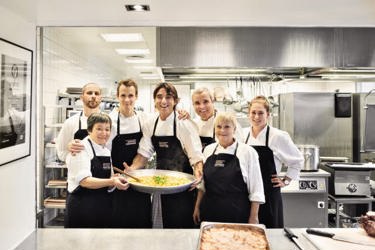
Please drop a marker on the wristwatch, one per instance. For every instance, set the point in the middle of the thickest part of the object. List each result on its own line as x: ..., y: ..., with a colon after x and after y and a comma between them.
x: 286, y: 182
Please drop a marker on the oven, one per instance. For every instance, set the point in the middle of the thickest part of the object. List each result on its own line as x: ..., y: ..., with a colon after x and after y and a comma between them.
x: 305, y: 201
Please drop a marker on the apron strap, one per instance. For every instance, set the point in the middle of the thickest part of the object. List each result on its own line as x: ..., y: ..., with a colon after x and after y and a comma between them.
x: 267, y: 135
x: 79, y: 121
x: 213, y: 136
x: 92, y: 147
x: 118, y: 123
x: 235, y: 151
x: 174, y: 124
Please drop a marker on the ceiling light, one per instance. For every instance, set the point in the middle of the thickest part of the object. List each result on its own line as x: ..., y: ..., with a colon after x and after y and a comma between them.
x: 133, y: 51
x: 122, y: 37
x: 138, y: 60
x: 137, y: 7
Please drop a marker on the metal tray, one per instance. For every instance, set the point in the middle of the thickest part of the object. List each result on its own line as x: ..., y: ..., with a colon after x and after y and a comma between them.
x: 240, y: 226
x: 160, y: 190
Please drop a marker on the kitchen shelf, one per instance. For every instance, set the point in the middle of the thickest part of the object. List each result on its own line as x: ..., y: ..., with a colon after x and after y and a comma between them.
x: 52, y: 202
x: 56, y: 165
x: 57, y: 184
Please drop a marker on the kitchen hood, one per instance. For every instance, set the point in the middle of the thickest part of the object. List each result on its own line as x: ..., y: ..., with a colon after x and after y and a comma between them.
x: 271, y: 53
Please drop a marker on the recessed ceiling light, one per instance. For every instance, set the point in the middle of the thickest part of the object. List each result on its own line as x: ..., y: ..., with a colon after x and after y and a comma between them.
x: 138, y: 60
x: 122, y: 37
x: 137, y: 7
x: 133, y: 51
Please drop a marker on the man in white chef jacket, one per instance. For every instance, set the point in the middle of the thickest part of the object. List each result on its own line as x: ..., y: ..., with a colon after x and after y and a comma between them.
x: 75, y: 127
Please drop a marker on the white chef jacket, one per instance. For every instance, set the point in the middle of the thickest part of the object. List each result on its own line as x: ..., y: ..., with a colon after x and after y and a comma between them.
x: 284, y: 150
x: 206, y: 128
x: 79, y: 165
x: 249, y: 163
x: 128, y: 125
x: 186, y: 132
x: 66, y: 135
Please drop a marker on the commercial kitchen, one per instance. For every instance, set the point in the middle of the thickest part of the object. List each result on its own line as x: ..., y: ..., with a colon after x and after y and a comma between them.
x: 315, y: 63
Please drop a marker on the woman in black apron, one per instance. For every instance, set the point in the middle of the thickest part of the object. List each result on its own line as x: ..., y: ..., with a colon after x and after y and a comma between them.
x: 131, y: 209
x: 226, y: 195
x: 89, y: 204
x: 271, y: 213
x: 167, y: 137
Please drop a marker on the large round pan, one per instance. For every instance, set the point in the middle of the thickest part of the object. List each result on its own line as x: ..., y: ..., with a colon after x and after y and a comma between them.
x: 160, y: 190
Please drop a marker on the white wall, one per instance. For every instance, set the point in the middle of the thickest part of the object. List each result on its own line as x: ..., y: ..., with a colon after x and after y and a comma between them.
x: 17, y: 179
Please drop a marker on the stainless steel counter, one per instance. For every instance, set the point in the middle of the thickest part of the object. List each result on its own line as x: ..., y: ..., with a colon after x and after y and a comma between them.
x: 134, y: 239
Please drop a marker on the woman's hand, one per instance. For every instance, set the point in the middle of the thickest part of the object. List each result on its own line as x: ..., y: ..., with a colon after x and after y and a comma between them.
x: 120, y: 182
x: 277, y: 181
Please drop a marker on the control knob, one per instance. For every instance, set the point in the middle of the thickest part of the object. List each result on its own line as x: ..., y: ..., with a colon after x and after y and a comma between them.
x: 352, y: 188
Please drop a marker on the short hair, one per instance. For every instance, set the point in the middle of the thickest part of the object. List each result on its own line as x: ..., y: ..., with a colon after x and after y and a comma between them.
x: 262, y: 100
x: 127, y: 83
x: 90, y: 83
x: 99, y: 117
x: 202, y: 90
x: 225, y: 117
x: 169, y: 88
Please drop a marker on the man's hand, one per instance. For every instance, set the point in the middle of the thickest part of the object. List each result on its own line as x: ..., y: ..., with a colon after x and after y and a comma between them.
x: 183, y: 114
x: 75, y: 146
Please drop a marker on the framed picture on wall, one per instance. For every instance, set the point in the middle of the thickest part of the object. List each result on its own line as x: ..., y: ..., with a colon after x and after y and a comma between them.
x: 15, y: 101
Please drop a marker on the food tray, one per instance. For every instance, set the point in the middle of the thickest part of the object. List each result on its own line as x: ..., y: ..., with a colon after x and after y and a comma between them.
x: 159, y: 190
x: 230, y: 236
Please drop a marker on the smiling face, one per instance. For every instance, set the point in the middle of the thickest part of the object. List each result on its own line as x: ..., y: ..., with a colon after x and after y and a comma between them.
x: 91, y: 95
x: 224, y: 129
x: 100, y: 133
x: 164, y: 103
x: 203, y: 105
x: 258, y: 115
x: 127, y: 97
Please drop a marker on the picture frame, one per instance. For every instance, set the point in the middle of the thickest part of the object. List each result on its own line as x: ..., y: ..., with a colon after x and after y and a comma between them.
x: 16, y: 68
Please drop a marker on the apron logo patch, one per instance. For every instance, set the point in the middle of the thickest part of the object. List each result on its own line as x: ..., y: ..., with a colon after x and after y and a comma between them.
x: 107, y: 165
x: 163, y: 144
x: 220, y: 163
x: 130, y: 142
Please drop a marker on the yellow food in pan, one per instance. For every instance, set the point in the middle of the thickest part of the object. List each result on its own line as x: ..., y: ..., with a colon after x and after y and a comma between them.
x: 161, y: 181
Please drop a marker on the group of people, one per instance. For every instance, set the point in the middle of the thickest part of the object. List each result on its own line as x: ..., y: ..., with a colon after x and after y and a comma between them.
x: 236, y: 176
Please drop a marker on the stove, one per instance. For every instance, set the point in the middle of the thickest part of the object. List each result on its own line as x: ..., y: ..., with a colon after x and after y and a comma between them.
x: 349, y: 179
x: 305, y: 200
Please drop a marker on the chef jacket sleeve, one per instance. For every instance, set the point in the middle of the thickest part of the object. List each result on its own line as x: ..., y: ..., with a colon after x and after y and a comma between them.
x: 145, y: 147
x: 79, y: 167
x: 249, y: 161
x: 288, y: 153
x: 66, y: 134
x: 188, y: 135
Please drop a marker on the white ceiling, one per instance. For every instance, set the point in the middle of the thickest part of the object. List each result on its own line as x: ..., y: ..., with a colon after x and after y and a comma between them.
x: 357, y: 13
x: 94, y: 13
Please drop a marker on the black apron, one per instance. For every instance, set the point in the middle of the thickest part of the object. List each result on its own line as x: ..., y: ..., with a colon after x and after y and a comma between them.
x: 80, y: 133
x: 226, y: 198
x: 271, y: 212
x: 8, y: 139
x: 131, y: 209
x: 91, y: 208
x: 207, y: 140
x: 177, y: 209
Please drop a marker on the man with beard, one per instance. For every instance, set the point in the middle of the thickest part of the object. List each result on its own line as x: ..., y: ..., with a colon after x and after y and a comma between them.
x: 75, y: 127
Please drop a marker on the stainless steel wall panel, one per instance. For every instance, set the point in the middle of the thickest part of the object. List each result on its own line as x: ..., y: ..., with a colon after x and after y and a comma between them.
x: 245, y: 47
x: 309, y: 119
x: 358, y: 47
